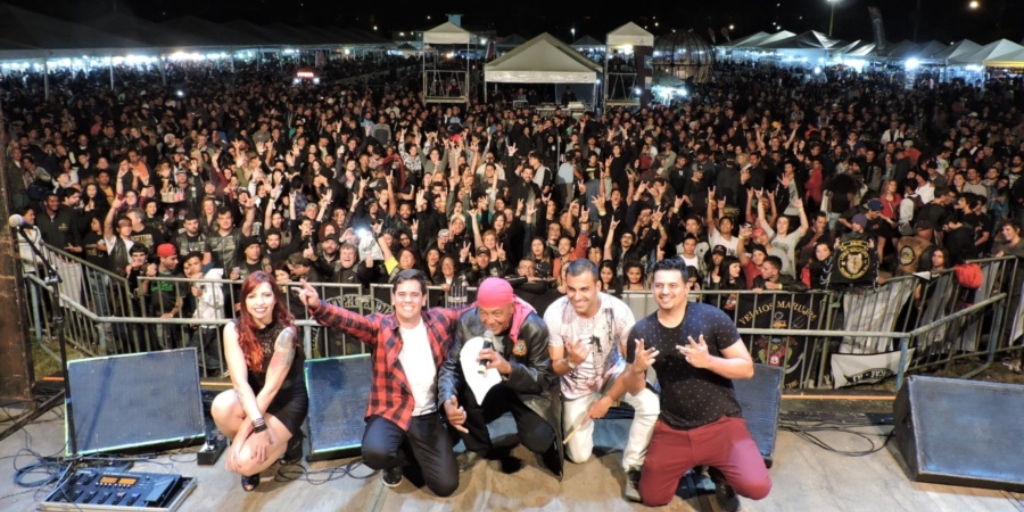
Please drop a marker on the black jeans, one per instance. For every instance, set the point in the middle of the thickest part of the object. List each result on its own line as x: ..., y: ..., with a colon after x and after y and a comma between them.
x: 533, y: 432
x: 426, y: 442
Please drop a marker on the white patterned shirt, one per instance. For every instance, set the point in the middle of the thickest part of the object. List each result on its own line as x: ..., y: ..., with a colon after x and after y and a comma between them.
x: 607, y: 330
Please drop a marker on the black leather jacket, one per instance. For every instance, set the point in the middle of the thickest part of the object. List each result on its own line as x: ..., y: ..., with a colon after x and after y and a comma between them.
x: 532, y: 378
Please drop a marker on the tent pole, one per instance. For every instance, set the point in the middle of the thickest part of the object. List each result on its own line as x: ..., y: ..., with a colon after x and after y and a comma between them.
x: 46, y: 80
x: 111, y: 73
x: 163, y: 70
x: 466, y: 91
x: 604, y: 89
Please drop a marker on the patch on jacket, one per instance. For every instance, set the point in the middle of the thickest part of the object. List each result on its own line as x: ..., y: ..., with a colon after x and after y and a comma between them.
x: 519, y: 348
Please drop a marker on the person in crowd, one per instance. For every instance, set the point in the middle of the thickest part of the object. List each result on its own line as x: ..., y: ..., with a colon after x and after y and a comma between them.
x: 697, y: 353
x: 409, y: 348
x: 587, y: 332
x: 263, y: 414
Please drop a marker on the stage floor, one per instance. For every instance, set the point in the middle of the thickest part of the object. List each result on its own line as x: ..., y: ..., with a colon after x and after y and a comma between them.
x: 806, y: 478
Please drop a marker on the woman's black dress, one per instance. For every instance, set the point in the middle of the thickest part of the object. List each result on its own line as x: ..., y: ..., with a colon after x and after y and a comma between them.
x: 291, y: 403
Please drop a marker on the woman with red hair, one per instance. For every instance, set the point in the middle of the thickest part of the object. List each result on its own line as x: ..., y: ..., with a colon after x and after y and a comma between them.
x: 264, y: 412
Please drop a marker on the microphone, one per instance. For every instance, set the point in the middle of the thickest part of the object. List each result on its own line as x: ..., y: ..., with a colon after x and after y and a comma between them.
x: 16, y: 221
x: 488, y: 343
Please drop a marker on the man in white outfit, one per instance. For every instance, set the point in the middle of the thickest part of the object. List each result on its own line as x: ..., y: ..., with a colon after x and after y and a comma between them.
x: 587, y: 343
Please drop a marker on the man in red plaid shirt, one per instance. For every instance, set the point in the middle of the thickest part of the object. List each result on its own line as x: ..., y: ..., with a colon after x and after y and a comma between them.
x: 409, y: 346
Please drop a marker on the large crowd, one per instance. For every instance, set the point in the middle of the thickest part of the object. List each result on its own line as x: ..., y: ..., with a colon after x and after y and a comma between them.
x: 751, y: 179
x: 749, y: 183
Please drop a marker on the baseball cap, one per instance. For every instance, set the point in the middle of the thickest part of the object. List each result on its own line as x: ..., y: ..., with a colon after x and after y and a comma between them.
x: 861, y: 220
x: 875, y: 205
x: 166, y: 250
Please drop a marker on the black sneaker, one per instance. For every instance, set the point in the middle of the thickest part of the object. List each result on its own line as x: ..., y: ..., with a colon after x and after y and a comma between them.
x: 724, y: 494
x: 391, y: 476
x: 468, y: 459
x: 632, y: 491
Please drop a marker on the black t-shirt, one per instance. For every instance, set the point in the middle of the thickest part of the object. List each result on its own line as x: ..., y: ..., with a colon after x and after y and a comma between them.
x: 94, y: 254
x: 690, y: 397
x: 148, y: 237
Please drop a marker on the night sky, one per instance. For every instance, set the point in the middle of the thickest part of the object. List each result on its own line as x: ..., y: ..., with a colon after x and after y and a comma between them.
x: 945, y: 20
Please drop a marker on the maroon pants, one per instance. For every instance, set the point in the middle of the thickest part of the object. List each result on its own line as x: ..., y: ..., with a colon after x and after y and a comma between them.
x: 724, y: 444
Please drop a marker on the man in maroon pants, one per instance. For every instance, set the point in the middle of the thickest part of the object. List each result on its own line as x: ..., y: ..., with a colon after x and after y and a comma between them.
x: 696, y: 351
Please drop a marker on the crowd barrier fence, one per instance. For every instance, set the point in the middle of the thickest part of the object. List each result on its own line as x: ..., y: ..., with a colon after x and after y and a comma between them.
x: 823, y: 338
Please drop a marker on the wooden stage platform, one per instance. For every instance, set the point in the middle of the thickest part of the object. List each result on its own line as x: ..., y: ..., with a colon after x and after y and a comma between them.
x: 806, y: 478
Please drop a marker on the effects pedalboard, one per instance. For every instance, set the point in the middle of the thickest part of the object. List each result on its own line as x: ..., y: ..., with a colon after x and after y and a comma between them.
x: 108, y: 489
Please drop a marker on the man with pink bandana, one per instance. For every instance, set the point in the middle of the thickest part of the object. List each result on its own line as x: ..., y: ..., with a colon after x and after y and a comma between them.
x: 528, y: 389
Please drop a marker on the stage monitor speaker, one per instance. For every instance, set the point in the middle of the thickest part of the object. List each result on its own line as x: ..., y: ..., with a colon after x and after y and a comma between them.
x: 339, y: 391
x: 134, y: 401
x: 961, y: 432
x: 760, y: 398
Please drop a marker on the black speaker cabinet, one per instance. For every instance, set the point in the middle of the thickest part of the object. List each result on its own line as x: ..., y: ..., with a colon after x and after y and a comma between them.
x: 760, y: 398
x: 134, y: 401
x: 960, y: 432
x: 339, y: 391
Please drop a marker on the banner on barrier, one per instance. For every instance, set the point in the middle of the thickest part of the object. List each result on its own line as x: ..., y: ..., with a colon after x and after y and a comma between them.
x: 779, y: 312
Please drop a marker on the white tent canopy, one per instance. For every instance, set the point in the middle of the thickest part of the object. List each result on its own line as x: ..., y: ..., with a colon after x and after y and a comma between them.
x: 750, y: 40
x: 778, y: 36
x: 447, y: 33
x: 630, y: 34
x: 1010, y: 60
x: 961, y: 49
x: 542, y: 60
x: 990, y: 51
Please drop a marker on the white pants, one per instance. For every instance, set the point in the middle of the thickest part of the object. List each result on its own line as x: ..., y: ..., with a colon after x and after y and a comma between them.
x: 579, y: 448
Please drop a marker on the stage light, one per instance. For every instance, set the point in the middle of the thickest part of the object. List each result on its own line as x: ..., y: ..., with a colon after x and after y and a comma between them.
x: 912, y: 64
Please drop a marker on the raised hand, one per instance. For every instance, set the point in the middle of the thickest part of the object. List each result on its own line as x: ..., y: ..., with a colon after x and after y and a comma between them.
x: 696, y: 353
x: 644, y: 358
x: 576, y: 351
x: 611, y: 226
x: 711, y: 194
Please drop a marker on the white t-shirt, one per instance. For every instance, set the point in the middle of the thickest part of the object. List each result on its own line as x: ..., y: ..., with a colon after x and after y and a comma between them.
x: 608, y: 328
x: 715, y: 239
x: 418, y: 362
x: 787, y: 245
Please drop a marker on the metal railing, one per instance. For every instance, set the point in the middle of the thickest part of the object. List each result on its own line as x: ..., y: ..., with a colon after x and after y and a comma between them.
x: 932, y: 323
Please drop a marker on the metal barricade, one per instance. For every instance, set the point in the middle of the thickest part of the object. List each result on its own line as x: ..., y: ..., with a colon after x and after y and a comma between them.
x: 931, y: 322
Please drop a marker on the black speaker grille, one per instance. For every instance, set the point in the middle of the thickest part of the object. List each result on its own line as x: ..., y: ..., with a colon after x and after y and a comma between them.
x: 339, y: 391
x: 759, y: 398
x: 136, y: 400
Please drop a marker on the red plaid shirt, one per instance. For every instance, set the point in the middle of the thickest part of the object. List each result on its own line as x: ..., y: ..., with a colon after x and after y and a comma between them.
x: 390, y: 396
